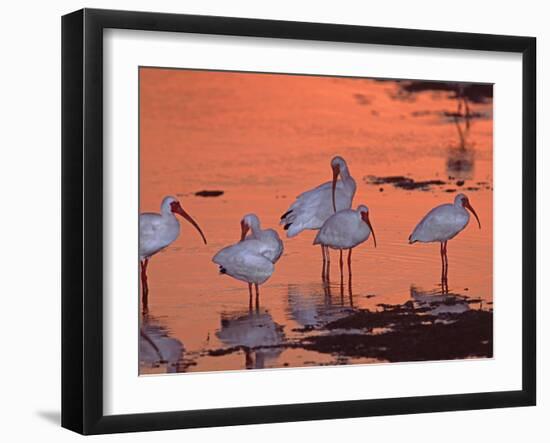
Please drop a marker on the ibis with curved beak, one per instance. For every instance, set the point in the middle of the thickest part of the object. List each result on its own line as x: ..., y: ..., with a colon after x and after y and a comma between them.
x: 443, y: 223
x: 157, y: 231
x: 345, y: 229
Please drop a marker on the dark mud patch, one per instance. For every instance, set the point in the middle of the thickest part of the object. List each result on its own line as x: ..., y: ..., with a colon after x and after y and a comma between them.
x: 429, y: 327
x: 450, y: 116
x: 247, y: 349
x: 401, y: 182
x: 412, y: 335
x: 226, y: 351
x: 362, y: 99
x: 474, y: 92
x: 185, y: 363
x: 306, y: 328
x: 208, y: 193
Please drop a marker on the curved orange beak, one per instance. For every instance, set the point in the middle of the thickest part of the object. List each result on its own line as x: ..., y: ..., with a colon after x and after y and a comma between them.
x: 179, y: 210
x: 365, y: 217
x: 244, y: 229
x: 469, y: 206
x: 335, y: 174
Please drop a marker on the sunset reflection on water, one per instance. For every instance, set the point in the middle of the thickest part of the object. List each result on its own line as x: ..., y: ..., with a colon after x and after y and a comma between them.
x: 262, y: 139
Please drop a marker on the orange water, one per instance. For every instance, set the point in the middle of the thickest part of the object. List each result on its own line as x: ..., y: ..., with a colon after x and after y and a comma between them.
x: 263, y: 139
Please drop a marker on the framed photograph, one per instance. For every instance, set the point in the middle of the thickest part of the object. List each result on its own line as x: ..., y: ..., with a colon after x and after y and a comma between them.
x: 268, y: 221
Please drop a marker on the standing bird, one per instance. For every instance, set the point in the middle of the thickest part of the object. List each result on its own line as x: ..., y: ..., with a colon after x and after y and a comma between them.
x: 156, y: 232
x: 312, y: 208
x: 251, y: 259
x: 345, y: 230
x: 270, y: 238
x: 442, y: 224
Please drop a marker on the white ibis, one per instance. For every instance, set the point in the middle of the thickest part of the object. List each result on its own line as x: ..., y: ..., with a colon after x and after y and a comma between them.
x: 246, y: 261
x: 442, y: 224
x: 312, y: 208
x: 251, y: 259
x: 272, y: 241
x: 157, y: 231
x: 345, y: 229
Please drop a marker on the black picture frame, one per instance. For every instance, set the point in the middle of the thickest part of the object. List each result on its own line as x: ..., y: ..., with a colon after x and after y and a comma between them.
x: 82, y: 218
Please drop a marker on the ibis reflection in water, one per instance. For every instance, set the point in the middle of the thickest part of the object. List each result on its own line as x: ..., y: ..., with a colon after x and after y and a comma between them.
x: 156, y: 348
x: 255, y: 332
x: 313, y: 306
x: 438, y: 304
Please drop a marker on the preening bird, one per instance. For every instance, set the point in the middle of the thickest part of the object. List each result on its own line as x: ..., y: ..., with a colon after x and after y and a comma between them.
x: 157, y: 231
x: 442, y: 224
x: 252, y: 259
x: 269, y: 237
x: 312, y: 208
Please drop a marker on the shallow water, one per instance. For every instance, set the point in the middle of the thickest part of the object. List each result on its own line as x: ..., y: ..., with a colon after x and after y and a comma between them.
x: 262, y: 140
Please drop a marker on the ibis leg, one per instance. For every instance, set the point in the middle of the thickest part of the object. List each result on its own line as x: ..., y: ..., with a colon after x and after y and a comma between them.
x: 248, y: 360
x: 327, y: 253
x: 341, y: 275
x: 257, y: 295
x: 446, y: 267
x: 250, y: 296
x: 442, y: 268
x: 467, y: 113
x: 144, y: 286
x: 349, y: 277
x: 444, y: 271
x: 324, y: 262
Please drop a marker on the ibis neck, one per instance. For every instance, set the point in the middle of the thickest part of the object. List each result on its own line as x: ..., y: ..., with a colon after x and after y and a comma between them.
x: 347, y: 181
x: 255, y: 227
x: 167, y: 213
x: 344, y: 174
x: 169, y: 217
x: 462, y: 208
x: 166, y: 208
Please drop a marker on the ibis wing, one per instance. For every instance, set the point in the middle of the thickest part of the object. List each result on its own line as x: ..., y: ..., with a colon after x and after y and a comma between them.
x: 336, y: 229
x: 312, y: 208
x: 245, y: 261
x: 247, y: 265
x: 306, y: 204
x: 317, y: 190
x: 275, y: 245
x: 439, y: 224
x: 149, y: 227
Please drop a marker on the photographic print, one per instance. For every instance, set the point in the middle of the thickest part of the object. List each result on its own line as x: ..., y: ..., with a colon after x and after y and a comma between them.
x: 294, y: 220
